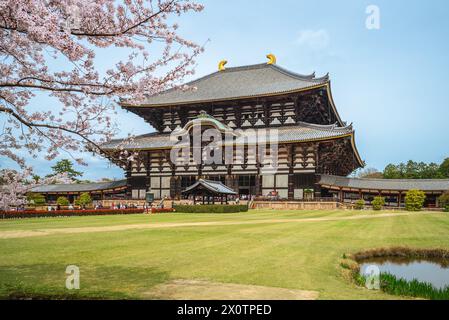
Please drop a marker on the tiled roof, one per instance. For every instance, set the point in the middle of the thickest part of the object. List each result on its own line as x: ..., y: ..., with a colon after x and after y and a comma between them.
x: 238, y: 82
x: 292, y: 133
x: 297, y: 133
x: 386, y: 184
x: 80, y: 187
x: 214, y: 186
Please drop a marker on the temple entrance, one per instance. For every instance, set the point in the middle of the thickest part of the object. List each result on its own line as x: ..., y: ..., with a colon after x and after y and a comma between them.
x: 247, y: 186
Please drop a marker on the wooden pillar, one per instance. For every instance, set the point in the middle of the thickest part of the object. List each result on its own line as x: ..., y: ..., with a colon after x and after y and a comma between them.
x: 291, y: 176
x: 341, y: 195
x: 399, y: 198
x: 258, y: 185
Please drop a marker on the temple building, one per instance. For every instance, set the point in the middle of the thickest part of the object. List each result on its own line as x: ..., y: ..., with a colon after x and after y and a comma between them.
x: 274, y: 132
x: 311, y: 137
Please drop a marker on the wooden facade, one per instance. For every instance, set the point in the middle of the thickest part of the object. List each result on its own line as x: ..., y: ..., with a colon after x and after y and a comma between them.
x: 324, y: 144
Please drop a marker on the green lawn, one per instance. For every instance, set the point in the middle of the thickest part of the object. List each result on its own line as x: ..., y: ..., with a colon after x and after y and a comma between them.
x: 129, y: 263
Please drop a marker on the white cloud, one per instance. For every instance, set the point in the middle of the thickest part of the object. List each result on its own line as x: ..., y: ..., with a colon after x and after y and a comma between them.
x: 313, y: 39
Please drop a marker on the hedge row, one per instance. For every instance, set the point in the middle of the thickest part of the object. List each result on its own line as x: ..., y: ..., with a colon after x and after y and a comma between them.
x: 211, y: 208
x: 161, y: 210
x: 65, y: 213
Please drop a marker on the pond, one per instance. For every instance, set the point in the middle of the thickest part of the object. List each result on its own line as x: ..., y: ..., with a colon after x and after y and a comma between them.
x: 433, y: 271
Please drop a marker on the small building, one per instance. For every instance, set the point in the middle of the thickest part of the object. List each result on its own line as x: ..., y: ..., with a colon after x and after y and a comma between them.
x: 110, y: 190
x: 351, y: 189
x: 209, y: 191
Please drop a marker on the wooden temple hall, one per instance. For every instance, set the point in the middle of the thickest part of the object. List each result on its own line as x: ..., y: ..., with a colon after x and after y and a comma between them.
x: 311, y: 139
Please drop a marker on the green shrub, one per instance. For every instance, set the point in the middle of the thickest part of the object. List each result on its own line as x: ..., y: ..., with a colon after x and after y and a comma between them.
x: 414, y: 200
x: 359, y: 204
x: 446, y: 208
x: 36, y: 199
x: 443, y: 200
x: 378, y: 203
x: 83, y: 200
x: 211, y: 208
x: 62, y: 201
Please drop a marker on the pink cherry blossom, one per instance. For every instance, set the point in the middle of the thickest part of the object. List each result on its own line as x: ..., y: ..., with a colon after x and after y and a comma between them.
x: 16, y: 185
x: 35, y: 33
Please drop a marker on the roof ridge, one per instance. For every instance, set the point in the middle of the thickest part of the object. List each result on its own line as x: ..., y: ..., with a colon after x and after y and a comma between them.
x: 380, y: 179
x: 82, y: 184
x: 333, y: 126
x: 311, y: 77
x: 300, y: 76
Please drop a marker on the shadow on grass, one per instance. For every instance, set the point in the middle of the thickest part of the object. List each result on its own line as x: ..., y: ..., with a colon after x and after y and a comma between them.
x: 47, y: 282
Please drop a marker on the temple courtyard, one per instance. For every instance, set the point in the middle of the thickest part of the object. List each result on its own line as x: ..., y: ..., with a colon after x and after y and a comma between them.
x: 260, y: 254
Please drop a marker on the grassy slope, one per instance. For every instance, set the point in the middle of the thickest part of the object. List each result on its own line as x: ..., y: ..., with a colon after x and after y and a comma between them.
x: 128, y: 263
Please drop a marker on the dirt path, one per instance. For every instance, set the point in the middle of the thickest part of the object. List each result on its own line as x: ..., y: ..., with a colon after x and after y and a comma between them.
x: 157, y: 225
x: 206, y: 290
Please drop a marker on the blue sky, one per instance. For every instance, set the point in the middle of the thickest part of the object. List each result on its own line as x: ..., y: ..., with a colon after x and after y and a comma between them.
x: 391, y: 83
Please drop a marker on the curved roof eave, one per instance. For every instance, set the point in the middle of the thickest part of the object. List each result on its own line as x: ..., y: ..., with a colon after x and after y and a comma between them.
x: 356, y: 151
x: 332, y: 103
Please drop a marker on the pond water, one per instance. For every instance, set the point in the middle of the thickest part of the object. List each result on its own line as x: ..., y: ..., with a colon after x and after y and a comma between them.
x: 435, y: 271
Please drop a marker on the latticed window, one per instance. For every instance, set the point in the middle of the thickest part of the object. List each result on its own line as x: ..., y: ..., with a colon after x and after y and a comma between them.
x: 216, y: 178
x: 247, y: 181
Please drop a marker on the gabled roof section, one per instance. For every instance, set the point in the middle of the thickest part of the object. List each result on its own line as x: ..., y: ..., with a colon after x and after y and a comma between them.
x: 213, y: 186
x: 205, y: 119
x: 237, y: 83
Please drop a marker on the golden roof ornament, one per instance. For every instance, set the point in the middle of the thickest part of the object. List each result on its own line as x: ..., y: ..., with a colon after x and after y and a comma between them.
x: 271, y: 58
x: 221, y: 65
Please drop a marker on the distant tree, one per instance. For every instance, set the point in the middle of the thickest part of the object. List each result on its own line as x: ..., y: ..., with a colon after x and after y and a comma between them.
x: 378, y: 203
x: 36, y: 178
x: 84, y: 181
x: 431, y: 171
x: 65, y: 166
x: 369, y: 173
x: 444, y: 168
x: 62, y: 201
x: 414, y: 170
x: 414, y: 200
x: 392, y: 172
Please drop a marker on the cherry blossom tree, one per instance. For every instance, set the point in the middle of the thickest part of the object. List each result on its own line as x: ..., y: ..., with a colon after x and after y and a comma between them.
x: 38, y: 36
x: 15, y: 186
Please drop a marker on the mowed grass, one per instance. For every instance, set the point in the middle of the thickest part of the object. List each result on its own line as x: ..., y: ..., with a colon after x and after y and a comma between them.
x: 301, y: 255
